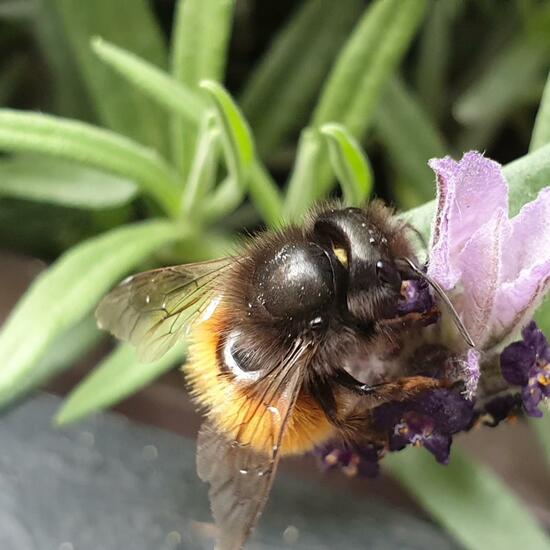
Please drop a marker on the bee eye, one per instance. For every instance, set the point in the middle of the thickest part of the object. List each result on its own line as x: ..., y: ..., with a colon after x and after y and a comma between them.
x: 388, y: 274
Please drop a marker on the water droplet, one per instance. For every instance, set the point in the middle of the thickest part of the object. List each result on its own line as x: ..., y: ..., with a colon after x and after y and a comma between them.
x: 291, y: 534
x: 243, y: 471
x: 173, y: 538
x: 147, y: 299
x: 372, y: 240
x: 150, y: 452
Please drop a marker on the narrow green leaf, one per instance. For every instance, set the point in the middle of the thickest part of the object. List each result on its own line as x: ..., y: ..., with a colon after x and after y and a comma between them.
x: 80, y: 142
x: 411, y: 138
x: 70, y: 97
x: 284, y: 84
x: 495, y: 94
x: 199, y: 49
x: 61, y: 296
x: 469, y: 501
x: 354, y: 86
x: 301, y: 186
x: 350, y: 164
x: 60, y: 182
x: 203, y: 169
x: 229, y: 195
x: 17, y: 9
x: 434, y: 51
x: 131, y: 24
x: 266, y: 195
x: 541, y: 130
x: 235, y: 132
x: 116, y: 377
x: 61, y: 355
x: 180, y: 99
x: 371, y: 54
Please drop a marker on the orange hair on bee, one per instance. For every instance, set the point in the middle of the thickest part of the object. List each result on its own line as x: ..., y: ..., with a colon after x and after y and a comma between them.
x: 238, y: 413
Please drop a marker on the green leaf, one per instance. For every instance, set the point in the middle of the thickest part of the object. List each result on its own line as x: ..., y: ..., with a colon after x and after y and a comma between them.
x: 204, y: 167
x: 350, y: 164
x: 284, y: 84
x: 69, y: 95
x: 17, y: 9
x: 227, y: 196
x: 131, y: 24
x: 354, y: 86
x: 199, y: 49
x: 469, y: 501
x: 263, y: 191
x: 495, y: 94
x: 80, y: 142
x: 541, y: 130
x: 64, y: 294
x: 301, y: 186
x: 411, y: 138
x: 265, y: 195
x: 116, y: 377
x: 180, y: 99
x: 60, y: 182
x: 235, y: 132
x: 434, y: 53
x: 68, y: 348
x: 371, y: 54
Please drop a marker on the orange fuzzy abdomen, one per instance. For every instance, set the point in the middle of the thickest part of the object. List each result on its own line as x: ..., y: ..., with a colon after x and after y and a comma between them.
x: 235, y: 411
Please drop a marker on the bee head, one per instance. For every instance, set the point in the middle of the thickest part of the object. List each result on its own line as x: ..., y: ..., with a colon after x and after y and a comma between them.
x: 361, y: 246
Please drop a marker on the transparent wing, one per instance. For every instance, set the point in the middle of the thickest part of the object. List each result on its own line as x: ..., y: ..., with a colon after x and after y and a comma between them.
x: 153, y: 310
x: 240, y: 477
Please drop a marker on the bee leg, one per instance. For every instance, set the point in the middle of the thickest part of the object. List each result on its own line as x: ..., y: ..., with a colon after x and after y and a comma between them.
x: 345, y: 379
x: 396, y: 390
x: 322, y: 391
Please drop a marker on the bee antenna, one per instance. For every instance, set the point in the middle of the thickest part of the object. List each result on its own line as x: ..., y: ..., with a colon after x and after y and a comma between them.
x: 441, y: 293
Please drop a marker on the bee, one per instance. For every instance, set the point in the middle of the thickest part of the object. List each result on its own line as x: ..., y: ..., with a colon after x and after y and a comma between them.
x: 275, y: 334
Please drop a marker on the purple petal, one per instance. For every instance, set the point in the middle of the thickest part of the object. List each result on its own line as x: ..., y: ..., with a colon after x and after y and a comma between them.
x: 469, y: 193
x: 479, y: 263
x: 536, y: 340
x: 440, y: 446
x: 525, y: 277
x: 528, y: 244
x: 515, y: 362
x: 532, y: 396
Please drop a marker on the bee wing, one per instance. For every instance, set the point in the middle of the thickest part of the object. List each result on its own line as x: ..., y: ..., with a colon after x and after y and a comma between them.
x: 152, y: 310
x: 240, y: 477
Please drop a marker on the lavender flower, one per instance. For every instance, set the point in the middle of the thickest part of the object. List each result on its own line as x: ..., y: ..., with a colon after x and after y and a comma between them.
x: 357, y: 461
x: 498, y: 268
x: 496, y: 271
x: 430, y: 420
x: 527, y: 364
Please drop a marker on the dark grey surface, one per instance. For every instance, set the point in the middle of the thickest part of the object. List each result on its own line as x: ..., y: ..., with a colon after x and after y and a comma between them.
x: 110, y: 484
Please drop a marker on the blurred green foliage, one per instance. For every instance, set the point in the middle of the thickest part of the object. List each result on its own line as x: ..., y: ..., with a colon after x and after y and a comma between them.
x: 146, y: 158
